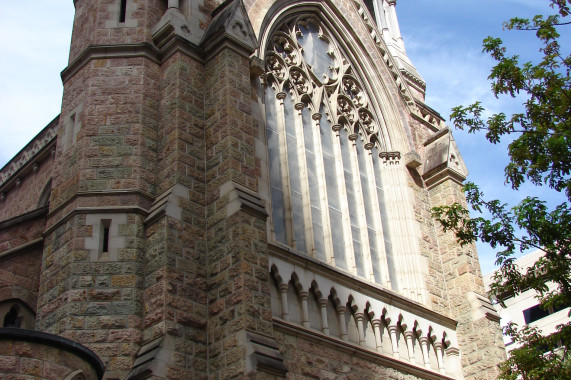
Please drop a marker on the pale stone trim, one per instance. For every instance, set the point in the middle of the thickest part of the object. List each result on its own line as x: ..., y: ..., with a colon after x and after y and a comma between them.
x: 71, y: 127
x: 94, y: 243
x: 404, y: 327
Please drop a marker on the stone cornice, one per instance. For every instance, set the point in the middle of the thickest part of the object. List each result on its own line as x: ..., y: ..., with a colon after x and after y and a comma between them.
x: 35, y: 151
x: 429, y: 117
x: 34, y: 214
x: 110, y: 51
x: 22, y: 248
x: 96, y: 210
x: 107, y: 193
x: 415, y: 79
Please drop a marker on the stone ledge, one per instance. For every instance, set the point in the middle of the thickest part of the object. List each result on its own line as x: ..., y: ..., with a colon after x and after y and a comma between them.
x: 242, y: 199
x: 34, y: 214
x: 264, y: 355
x: 21, y: 248
x: 354, y: 350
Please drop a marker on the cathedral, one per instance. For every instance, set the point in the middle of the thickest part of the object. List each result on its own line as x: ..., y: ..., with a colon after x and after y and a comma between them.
x: 239, y: 189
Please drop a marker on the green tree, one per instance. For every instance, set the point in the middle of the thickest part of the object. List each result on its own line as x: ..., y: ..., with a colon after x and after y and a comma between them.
x: 540, y: 152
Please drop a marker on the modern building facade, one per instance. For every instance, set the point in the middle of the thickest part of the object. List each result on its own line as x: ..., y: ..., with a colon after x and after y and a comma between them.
x: 524, y: 308
x: 240, y: 190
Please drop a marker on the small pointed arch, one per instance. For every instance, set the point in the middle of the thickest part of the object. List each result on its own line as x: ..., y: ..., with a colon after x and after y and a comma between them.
x: 44, y: 199
x: 402, y: 324
x: 334, y: 297
x: 351, y: 305
x: 385, y: 317
x: 316, y: 313
x: 333, y: 303
x: 294, y: 308
x: 369, y: 311
x: 316, y: 290
x: 431, y: 335
x: 446, y: 342
x: 275, y: 273
x: 298, y: 285
x: 15, y: 313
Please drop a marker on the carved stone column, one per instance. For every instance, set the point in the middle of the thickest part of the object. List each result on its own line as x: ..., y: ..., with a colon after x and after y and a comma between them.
x: 324, y: 322
x: 359, y: 317
x: 393, y: 331
x: 377, y: 323
x: 409, y: 336
x: 304, y: 310
x: 283, y: 295
x: 342, y: 326
x: 425, y: 345
x: 439, y: 347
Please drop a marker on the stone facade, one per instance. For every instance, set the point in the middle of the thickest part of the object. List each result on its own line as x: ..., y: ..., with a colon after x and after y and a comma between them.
x: 140, y: 223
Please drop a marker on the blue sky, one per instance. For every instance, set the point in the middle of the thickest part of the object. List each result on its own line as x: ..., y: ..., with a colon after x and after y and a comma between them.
x: 443, y: 38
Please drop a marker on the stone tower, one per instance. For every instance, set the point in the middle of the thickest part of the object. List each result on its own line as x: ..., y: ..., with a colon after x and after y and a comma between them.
x: 240, y: 189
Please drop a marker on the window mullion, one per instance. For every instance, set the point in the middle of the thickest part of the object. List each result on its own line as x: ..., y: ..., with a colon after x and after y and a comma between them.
x: 280, y: 98
x: 322, y: 185
x: 382, y: 266
x: 345, y: 218
x: 309, y: 242
x: 356, y: 177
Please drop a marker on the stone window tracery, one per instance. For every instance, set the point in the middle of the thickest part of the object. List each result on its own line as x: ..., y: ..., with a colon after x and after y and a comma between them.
x: 323, y: 146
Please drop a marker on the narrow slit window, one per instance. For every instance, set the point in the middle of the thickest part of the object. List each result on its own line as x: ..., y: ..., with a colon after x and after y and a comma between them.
x: 123, y: 11
x: 105, y: 226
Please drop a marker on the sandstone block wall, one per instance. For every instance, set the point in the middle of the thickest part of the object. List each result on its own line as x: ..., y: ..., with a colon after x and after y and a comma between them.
x: 161, y: 145
x: 31, y: 355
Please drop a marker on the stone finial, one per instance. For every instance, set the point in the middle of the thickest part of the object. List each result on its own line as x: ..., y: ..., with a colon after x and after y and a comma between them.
x: 230, y: 22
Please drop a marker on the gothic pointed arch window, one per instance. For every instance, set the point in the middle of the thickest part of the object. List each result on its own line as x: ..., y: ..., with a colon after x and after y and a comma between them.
x: 323, y: 135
